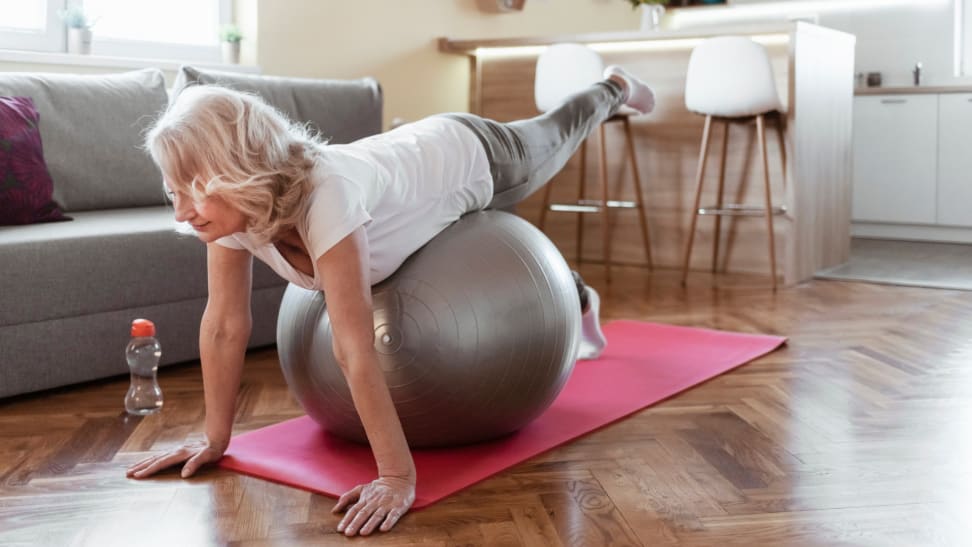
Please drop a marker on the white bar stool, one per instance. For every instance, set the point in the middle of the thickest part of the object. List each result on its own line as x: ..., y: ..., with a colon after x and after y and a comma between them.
x: 562, y: 70
x: 730, y: 80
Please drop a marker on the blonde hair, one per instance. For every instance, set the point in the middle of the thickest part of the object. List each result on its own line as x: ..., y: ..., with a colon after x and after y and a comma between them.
x: 215, y: 141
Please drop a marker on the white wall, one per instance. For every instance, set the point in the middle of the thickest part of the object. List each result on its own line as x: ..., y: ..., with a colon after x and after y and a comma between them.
x: 892, y: 40
x: 891, y: 34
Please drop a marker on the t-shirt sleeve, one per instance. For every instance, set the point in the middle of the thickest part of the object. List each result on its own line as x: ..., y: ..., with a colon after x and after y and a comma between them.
x: 231, y: 242
x: 337, y: 208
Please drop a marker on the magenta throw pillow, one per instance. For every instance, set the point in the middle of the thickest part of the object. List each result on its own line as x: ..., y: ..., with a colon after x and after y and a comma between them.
x: 26, y: 188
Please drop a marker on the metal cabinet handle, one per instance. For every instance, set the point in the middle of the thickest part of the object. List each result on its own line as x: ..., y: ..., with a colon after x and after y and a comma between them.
x: 896, y: 101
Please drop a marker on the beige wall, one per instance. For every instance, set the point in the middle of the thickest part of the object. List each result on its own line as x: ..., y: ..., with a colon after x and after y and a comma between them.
x: 395, y: 41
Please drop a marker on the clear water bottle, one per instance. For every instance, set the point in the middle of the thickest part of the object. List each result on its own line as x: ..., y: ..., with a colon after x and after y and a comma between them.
x: 143, y: 352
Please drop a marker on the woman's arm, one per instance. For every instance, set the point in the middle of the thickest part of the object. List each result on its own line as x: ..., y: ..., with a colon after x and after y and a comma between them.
x: 344, y: 273
x: 223, y: 335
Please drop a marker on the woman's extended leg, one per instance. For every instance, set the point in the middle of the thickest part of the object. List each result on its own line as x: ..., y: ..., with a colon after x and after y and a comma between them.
x: 524, y: 155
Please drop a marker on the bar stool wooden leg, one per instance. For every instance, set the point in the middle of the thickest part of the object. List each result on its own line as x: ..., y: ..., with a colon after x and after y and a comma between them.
x: 605, y: 210
x: 639, y: 198
x: 580, y: 196
x: 722, y: 180
x: 761, y: 131
x: 699, y: 177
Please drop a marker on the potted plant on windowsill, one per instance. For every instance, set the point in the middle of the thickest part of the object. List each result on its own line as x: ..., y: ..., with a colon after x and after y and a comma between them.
x: 78, y: 25
x: 651, y: 12
x: 230, y: 38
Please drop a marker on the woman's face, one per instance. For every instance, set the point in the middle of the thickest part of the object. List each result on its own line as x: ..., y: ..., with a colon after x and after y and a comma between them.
x: 211, y: 218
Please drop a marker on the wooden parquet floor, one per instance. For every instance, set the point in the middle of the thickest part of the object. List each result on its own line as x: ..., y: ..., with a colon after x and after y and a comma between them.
x: 857, y: 432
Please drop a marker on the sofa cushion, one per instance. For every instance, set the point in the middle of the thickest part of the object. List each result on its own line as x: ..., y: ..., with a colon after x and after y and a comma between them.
x: 25, y: 184
x: 57, y: 352
x: 340, y: 110
x: 102, y: 261
x: 92, y: 129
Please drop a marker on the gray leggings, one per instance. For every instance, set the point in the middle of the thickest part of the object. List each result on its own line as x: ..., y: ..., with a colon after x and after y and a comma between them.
x: 524, y: 155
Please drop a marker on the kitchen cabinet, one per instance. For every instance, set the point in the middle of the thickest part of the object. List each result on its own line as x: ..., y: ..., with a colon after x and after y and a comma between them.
x: 912, y: 176
x: 954, y: 187
x: 895, y: 157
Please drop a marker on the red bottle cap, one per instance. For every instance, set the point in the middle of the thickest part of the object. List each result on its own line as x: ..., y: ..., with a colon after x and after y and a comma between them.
x: 143, y: 327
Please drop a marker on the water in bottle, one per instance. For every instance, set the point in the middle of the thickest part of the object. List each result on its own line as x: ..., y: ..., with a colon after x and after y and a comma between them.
x: 143, y: 352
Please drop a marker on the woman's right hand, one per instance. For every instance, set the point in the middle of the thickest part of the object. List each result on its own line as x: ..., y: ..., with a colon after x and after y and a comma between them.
x: 195, y: 454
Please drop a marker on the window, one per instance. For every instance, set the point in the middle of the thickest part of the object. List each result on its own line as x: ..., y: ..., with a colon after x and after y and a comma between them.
x: 31, y: 24
x: 122, y: 28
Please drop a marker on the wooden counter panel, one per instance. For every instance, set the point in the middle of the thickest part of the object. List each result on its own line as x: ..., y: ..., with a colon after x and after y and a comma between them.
x: 821, y: 163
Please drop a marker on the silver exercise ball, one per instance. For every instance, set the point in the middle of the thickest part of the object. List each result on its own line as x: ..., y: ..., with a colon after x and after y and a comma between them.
x: 476, y: 334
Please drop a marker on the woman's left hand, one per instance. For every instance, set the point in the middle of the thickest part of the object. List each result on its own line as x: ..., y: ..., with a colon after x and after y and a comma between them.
x: 376, y: 505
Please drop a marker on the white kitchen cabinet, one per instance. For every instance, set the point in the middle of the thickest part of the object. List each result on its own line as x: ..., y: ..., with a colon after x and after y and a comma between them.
x: 955, y: 159
x: 895, y: 158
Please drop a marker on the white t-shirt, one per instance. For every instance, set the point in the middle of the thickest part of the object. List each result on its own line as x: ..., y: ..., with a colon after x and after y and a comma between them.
x: 405, y: 186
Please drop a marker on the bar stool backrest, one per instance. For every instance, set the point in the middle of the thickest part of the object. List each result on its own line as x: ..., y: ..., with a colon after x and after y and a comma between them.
x: 730, y: 76
x: 562, y: 70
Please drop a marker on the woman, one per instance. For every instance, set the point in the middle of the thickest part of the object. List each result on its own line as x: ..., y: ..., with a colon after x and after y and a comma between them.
x: 341, y: 218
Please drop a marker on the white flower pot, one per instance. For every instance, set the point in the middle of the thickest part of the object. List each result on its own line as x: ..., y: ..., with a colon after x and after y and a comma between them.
x: 79, y: 41
x: 231, y: 53
x: 651, y: 16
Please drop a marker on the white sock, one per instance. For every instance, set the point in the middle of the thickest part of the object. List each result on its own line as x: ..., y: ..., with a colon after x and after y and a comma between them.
x: 640, y: 97
x: 592, y: 340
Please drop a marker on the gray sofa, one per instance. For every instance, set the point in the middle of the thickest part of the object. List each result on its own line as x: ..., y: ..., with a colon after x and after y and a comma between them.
x: 69, y: 290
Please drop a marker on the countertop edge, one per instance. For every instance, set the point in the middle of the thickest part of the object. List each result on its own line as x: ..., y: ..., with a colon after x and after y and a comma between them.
x: 913, y: 90
x: 468, y: 47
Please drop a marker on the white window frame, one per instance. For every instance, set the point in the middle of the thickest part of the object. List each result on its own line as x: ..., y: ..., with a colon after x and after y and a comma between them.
x: 54, y: 39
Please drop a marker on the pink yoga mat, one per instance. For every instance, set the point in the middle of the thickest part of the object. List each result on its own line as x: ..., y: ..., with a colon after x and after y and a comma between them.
x: 643, y: 364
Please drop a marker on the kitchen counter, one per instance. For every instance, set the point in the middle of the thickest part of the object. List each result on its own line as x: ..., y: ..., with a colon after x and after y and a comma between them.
x: 913, y: 90
x: 814, y: 72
